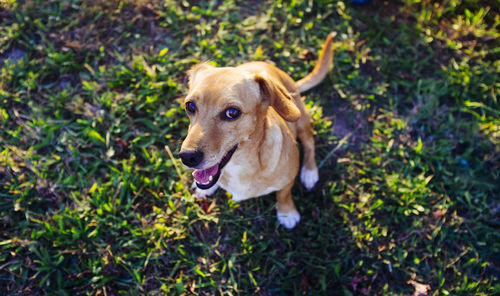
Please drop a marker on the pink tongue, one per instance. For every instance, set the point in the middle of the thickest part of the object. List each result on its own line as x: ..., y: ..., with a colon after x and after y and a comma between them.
x: 203, y: 176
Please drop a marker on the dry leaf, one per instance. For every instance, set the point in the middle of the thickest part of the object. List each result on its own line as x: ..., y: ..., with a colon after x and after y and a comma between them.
x: 420, y: 289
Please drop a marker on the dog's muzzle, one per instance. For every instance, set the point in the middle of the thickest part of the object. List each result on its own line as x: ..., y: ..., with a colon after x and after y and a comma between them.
x: 191, y: 158
x: 208, y: 177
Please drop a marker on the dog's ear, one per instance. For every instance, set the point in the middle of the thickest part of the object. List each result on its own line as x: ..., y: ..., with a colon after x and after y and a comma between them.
x: 277, y: 96
x: 195, y: 70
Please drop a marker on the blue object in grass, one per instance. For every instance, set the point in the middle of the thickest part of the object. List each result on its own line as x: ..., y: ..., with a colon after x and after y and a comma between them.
x: 362, y: 1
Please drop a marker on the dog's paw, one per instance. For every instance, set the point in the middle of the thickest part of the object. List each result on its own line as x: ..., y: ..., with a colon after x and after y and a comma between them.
x: 309, y: 177
x: 199, y: 193
x: 289, y: 220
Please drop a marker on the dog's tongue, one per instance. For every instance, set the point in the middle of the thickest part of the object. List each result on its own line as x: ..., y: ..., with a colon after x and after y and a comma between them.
x: 203, y: 176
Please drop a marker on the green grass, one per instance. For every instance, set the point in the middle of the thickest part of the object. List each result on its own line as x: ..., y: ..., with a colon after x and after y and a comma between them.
x: 94, y: 202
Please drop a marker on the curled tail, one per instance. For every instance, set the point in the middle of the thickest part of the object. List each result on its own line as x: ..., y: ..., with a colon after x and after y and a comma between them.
x: 322, y: 66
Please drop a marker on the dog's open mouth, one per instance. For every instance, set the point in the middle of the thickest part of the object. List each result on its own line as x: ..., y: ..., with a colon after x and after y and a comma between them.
x: 208, y: 177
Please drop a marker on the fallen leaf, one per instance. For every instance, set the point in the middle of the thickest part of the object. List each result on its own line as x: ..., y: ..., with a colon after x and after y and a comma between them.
x: 420, y: 289
x: 438, y: 213
x: 307, y: 55
x: 204, y: 206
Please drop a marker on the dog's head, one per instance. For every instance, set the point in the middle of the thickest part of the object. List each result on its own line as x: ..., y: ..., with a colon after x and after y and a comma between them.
x: 225, y: 106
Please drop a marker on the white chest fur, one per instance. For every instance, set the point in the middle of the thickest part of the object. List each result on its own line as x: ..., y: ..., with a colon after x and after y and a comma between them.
x: 236, y: 182
x: 249, y: 174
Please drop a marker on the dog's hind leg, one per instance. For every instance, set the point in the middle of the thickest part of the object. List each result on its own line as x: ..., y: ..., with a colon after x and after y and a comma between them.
x: 287, y: 213
x: 309, y: 171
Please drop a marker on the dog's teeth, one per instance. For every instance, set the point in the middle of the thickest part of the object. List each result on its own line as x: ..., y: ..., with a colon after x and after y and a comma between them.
x: 210, y: 179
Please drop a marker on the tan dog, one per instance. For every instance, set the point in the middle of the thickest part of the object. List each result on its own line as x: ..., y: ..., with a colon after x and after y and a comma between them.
x: 244, y: 125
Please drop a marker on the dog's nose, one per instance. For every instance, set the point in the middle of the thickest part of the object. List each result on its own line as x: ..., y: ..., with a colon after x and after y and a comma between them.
x: 191, y: 158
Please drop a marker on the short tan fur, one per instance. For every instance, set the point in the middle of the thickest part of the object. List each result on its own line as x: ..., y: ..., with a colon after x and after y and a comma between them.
x: 270, y: 116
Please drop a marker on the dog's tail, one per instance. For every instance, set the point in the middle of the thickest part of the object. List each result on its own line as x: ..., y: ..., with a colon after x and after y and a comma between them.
x: 322, y: 66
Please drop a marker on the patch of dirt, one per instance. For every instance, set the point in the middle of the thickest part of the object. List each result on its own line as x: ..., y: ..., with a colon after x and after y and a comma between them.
x: 347, y: 120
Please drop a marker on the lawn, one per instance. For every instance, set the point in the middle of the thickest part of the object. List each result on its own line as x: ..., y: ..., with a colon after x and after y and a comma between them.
x: 94, y: 201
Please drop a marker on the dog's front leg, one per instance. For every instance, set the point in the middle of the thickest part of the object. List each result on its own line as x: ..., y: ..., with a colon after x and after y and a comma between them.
x: 200, y: 193
x: 287, y: 214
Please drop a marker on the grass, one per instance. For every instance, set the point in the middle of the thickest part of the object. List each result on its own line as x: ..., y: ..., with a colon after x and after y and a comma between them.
x: 94, y: 202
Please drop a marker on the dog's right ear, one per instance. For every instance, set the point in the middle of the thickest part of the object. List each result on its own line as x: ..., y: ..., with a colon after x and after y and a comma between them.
x: 195, y: 70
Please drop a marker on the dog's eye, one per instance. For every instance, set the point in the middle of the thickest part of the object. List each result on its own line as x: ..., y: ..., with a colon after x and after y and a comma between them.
x: 231, y: 113
x: 190, y: 107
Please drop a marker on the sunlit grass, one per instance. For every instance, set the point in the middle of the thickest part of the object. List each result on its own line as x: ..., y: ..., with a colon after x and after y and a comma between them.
x: 93, y: 200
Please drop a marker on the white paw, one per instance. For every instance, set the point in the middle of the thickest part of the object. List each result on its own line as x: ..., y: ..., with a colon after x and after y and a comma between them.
x: 199, y: 193
x: 289, y: 220
x: 309, y: 177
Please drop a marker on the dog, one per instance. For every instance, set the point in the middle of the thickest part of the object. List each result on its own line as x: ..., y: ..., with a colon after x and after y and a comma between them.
x: 244, y: 122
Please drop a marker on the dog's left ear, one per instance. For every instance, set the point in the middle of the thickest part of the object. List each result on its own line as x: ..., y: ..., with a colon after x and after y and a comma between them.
x: 195, y: 70
x: 274, y: 94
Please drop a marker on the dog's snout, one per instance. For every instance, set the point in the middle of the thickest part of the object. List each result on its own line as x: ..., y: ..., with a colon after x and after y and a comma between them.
x: 191, y: 158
